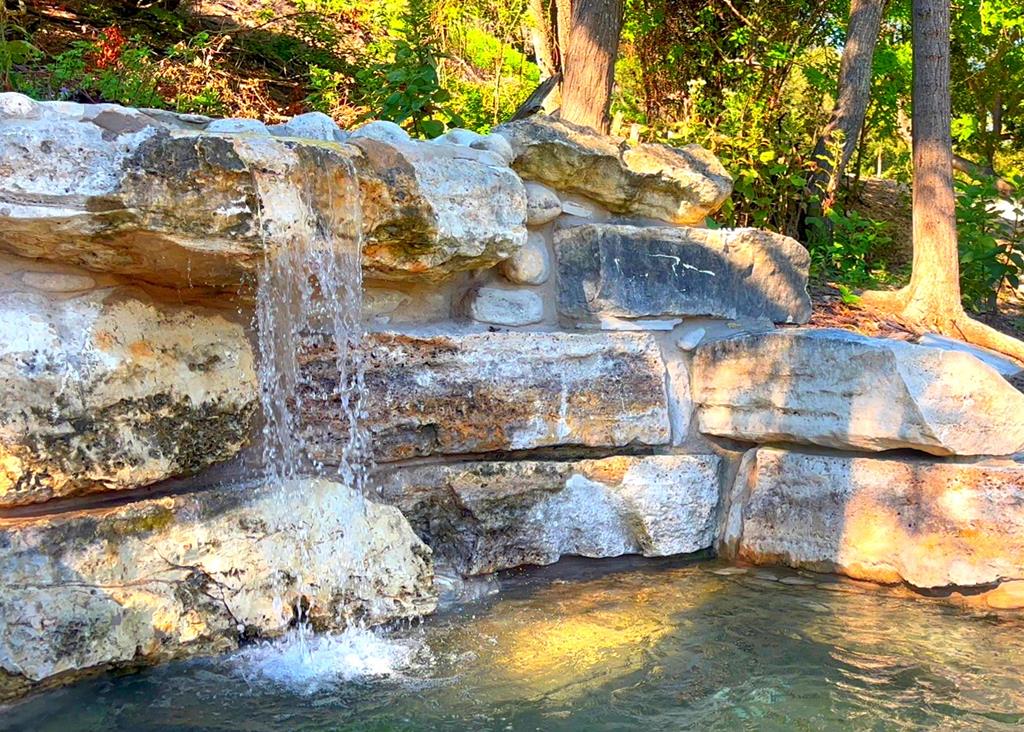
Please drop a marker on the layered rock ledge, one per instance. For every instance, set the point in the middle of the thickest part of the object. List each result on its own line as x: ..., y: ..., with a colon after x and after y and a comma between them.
x: 117, y: 190
x: 839, y: 389
x: 197, y: 574
x: 108, y: 390
x: 929, y: 523
x: 484, y: 392
x: 481, y: 517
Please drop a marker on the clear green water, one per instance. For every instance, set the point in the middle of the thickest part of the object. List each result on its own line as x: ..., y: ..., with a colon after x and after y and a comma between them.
x: 578, y: 647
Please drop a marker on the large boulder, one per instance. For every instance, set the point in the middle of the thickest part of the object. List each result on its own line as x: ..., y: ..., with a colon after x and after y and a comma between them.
x: 633, y: 272
x: 118, y: 190
x: 196, y: 574
x: 107, y: 390
x: 482, y: 392
x: 839, y: 389
x: 485, y: 516
x: 679, y: 185
x: 927, y: 522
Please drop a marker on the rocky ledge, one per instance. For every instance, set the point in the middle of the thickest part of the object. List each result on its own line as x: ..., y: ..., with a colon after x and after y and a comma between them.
x: 169, y: 577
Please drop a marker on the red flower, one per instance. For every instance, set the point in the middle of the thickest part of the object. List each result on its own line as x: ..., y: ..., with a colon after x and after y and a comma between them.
x: 108, y: 50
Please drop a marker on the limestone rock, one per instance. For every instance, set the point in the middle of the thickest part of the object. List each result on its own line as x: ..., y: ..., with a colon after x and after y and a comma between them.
x: 105, y: 392
x: 487, y: 516
x: 531, y: 265
x: 483, y: 392
x: 310, y: 126
x: 193, y: 574
x: 542, y: 204
x: 839, y: 389
x: 238, y: 126
x: 678, y: 185
x: 632, y: 272
x: 381, y: 130
x: 500, y: 306
x: 926, y: 522
x: 116, y: 190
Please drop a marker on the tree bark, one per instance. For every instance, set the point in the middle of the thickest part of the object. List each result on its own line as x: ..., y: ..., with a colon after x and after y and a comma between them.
x: 932, y: 299
x: 854, y: 92
x: 589, y: 62
x: 935, y: 277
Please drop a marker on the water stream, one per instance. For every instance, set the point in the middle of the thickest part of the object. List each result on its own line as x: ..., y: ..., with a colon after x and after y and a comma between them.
x: 606, y: 645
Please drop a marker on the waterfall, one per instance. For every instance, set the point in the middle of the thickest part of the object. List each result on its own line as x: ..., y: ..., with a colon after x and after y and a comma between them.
x: 309, y: 291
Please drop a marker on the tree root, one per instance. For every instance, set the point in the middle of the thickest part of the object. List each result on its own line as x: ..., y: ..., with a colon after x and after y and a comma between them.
x: 952, y: 322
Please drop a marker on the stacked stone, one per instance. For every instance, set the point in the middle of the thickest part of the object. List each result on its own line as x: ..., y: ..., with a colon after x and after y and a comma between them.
x: 561, y: 359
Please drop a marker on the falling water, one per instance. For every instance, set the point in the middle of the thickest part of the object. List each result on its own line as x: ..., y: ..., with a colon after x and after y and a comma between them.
x: 309, y: 294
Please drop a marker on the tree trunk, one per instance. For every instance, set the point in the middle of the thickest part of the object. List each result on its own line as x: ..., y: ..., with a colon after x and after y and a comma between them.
x: 854, y: 92
x: 932, y: 299
x: 550, y: 38
x: 589, y: 62
x: 935, y: 278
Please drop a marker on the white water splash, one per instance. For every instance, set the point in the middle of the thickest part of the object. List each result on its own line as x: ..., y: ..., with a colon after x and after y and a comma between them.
x: 311, y: 664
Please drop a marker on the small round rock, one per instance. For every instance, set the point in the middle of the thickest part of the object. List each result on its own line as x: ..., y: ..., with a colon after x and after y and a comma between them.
x: 382, y: 131
x: 18, y: 106
x: 495, y: 144
x: 531, y: 265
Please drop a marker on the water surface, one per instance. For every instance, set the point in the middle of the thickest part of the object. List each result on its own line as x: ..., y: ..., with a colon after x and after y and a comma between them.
x: 600, y: 646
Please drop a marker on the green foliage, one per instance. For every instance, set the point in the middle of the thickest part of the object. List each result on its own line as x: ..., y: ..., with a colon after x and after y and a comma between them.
x: 129, y: 77
x: 404, y: 87
x: 843, y: 246
x: 990, y: 234
x: 15, y: 50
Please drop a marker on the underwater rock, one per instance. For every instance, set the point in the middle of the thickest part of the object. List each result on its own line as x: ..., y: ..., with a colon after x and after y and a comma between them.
x: 195, y: 574
x: 487, y: 516
x: 501, y: 306
x: 658, y: 271
x: 679, y: 185
x: 106, y: 391
x: 840, y: 389
x: 927, y: 522
x: 480, y: 392
x: 117, y: 190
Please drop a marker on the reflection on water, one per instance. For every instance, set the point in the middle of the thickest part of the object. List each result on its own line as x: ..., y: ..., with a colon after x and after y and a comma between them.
x: 578, y: 647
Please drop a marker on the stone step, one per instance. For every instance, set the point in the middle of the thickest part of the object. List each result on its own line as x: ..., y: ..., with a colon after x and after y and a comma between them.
x: 623, y: 271
x: 840, y: 389
x: 483, y: 392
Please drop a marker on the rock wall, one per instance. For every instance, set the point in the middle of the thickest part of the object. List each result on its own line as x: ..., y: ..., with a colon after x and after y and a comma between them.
x: 560, y: 359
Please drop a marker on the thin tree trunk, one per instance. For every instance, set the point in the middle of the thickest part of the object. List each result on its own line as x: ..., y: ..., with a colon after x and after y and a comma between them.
x: 589, y: 63
x: 854, y: 92
x: 935, y: 281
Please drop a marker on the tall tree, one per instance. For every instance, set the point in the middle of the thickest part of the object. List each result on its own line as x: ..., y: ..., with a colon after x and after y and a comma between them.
x: 579, y: 39
x: 853, y: 94
x: 932, y: 299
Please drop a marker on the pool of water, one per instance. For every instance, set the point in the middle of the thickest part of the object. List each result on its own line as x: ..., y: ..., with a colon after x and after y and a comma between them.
x: 599, y: 646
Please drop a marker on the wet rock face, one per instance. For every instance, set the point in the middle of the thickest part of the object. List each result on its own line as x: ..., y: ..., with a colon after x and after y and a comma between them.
x: 481, y: 392
x: 838, y: 389
x: 632, y: 272
x: 926, y: 522
x: 105, y: 391
x: 169, y: 577
x: 486, y: 516
x: 118, y: 190
x: 679, y: 185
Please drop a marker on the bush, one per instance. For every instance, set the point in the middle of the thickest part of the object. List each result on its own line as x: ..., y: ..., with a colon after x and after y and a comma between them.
x: 990, y: 233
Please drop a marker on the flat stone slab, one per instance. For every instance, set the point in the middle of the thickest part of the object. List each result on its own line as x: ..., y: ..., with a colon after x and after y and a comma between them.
x: 680, y: 185
x: 614, y: 270
x: 114, y: 189
x: 485, y: 392
x: 486, y: 516
x: 840, y: 389
x: 927, y: 522
x: 108, y: 390
x: 195, y: 574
